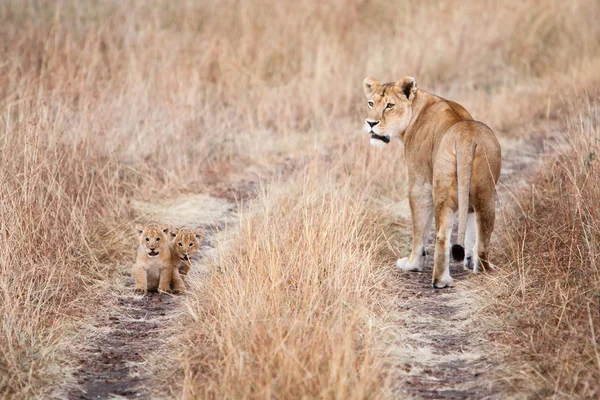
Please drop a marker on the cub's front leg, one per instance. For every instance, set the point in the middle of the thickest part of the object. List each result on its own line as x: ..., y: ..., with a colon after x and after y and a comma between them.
x: 166, y: 275
x: 421, y: 209
x: 178, y: 285
x: 141, y: 278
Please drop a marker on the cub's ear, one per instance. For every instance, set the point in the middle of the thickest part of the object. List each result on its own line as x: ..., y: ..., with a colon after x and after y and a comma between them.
x: 165, y: 228
x: 173, y: 232
x: 139, y: 229
x: 370, y: 85
x: 199, y: 233
x: 407, y: 87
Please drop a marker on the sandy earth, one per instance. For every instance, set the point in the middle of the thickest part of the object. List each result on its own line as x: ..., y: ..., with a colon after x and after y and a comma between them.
x: 446, y: 352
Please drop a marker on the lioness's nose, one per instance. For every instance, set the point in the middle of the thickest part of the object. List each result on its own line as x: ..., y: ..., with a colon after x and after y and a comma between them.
x: 372, y: 123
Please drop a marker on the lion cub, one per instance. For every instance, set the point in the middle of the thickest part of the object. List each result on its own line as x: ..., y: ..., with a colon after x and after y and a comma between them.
x: 184, y: 244
x: 153, y: 269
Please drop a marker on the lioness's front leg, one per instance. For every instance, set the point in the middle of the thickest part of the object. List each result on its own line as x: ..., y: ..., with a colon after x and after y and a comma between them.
x: 421, y: 208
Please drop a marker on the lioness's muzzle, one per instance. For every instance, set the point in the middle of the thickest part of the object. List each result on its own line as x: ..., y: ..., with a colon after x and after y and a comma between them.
x: 384, y: 139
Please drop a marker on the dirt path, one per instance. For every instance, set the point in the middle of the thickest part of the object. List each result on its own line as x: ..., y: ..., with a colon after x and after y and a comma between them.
x: 448, y: 354
x: 128, y: 327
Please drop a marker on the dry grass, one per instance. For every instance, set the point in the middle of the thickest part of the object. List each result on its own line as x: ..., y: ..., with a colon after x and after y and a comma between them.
x: 549, y: 293
x: 104, y: 101
x: 60, y: 213
x: 300, y: 306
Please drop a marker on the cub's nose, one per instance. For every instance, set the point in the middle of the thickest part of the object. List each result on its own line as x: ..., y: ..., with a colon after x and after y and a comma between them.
x: 372, y: 123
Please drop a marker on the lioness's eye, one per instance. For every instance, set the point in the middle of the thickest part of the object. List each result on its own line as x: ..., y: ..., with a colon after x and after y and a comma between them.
x: 389, y: 105
x: 370, y: 103
x: 147, y: 239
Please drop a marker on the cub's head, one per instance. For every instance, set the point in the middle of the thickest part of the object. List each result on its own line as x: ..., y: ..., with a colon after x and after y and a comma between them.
x: 153, y: 238
x: 186, y: 242
x: 390, y: 109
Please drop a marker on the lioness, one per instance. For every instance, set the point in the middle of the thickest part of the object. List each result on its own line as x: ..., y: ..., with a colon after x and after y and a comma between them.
x: 453, y: 164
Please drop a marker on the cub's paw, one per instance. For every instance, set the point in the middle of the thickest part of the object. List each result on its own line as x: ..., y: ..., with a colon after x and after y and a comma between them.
x: 404, y: 265
x: 140, y: 290
x: 442, y: 282
x: 179, y: 291
x: 164, y: 291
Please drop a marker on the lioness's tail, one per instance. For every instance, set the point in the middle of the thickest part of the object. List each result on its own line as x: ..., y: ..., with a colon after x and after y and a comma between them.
x: 464, y: 166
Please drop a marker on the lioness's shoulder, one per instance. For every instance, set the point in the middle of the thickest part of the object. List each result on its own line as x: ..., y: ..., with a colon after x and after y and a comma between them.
x: 438, y: 103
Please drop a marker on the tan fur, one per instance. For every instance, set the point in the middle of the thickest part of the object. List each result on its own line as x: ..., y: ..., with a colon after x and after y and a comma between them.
x: 184, y: 244
x: 153, y: 272
x: 453, y: 163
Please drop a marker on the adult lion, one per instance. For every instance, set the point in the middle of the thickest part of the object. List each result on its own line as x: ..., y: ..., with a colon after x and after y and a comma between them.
x: 453, y: 164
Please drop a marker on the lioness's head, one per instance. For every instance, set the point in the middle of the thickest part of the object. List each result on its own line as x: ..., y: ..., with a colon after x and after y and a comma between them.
x: 185, y: 242
x: 153, y: 238
x: 390, y: 109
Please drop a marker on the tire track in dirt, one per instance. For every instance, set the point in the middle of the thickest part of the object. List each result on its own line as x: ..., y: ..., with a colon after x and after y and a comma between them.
x: 447, y: 351
x: 128, y: 329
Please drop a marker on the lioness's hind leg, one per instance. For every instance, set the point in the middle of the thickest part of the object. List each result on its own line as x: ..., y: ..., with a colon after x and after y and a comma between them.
x: 470, y: 237
x: 485, y: 226
x: 443, y: 225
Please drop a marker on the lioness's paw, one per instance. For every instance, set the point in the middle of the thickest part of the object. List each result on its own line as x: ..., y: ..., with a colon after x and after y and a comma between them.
x: 442, y: 282
x: 404, y: 265
x: 165, y: 291
x: 178, y: 291
x: 468, y: 263
x: 140, y: 290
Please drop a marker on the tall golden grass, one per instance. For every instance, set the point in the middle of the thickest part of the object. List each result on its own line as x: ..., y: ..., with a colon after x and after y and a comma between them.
x: 302, y: 305
x: 104, y: 101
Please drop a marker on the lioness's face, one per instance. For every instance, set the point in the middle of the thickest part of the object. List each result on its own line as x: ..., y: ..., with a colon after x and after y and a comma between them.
x: 153, y: 238
x: 186, y: 242
x: 389, y: 110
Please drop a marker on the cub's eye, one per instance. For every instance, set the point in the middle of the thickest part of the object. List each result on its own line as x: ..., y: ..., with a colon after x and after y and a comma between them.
x: 370, y: 103
x: 191, y: 244
x: 180, y: 244
x: 389, y: 105
x: 158, y: 239
x: 147, y: 239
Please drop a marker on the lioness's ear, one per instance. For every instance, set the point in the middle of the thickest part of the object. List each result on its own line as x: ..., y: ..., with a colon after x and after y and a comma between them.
x: 165, y: 228
x: 139, y: 229
x: 199, y: 233
x: 370, y: 85
x: 407, y: 87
